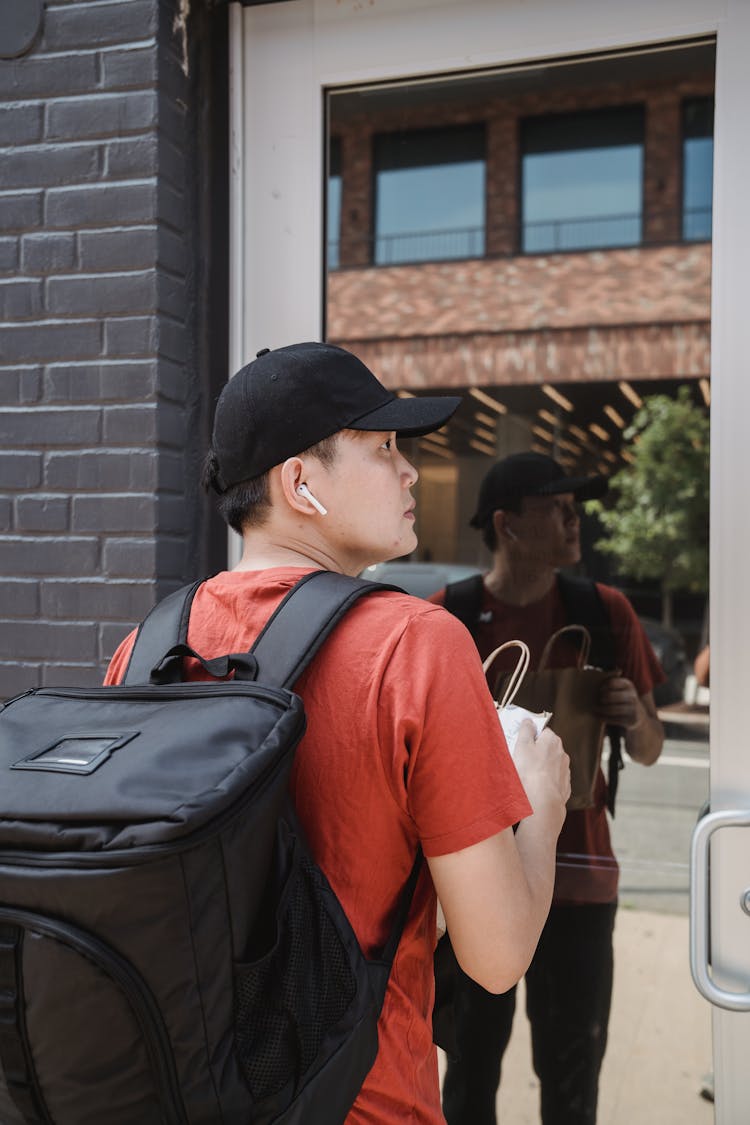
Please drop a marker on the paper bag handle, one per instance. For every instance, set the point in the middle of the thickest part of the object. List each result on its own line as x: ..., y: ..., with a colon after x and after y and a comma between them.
x: 520, y: 670
x: 583, y: 653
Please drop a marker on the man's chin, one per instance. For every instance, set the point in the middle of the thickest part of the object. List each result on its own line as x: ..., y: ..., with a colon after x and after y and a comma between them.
x: 569, y: 557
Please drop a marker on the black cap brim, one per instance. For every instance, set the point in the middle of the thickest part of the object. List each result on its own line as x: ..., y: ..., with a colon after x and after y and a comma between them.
x: 409, y: 417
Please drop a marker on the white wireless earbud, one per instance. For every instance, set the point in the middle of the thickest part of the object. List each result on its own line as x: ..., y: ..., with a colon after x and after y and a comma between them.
x: 511, y: 534
x: 305, y: 491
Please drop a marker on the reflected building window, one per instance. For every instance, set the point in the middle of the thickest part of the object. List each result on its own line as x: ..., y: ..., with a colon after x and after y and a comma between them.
x: 429, y: 195
x: 697, y: 168
x: 582, y: 180
x: 333, y: 204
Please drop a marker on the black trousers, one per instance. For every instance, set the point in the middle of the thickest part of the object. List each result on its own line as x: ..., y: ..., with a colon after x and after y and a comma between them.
x: 568, y: 995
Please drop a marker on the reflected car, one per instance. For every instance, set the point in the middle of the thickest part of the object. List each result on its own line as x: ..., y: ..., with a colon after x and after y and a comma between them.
x: 671, y: 653
x: 424, y: 578
x: 419, y: 578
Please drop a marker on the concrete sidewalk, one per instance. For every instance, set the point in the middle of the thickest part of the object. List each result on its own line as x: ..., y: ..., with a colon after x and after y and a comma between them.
x: 659, y: 1035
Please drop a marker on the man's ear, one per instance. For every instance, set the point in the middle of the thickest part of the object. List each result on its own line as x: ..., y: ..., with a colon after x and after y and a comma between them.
x: 290, y: 476
x: 503, y: 530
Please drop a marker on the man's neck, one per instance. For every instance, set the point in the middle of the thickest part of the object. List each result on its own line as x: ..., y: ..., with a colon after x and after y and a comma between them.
x: 518, y: 584
x: 272, y: 546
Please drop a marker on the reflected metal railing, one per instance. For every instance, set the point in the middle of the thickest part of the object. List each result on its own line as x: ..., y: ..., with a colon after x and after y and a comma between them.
x: 582, y: 233
x: 538, y: 237
x: 429, y: 245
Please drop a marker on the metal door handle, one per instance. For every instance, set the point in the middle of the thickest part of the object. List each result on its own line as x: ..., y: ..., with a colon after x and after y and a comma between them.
x: 699, y: 908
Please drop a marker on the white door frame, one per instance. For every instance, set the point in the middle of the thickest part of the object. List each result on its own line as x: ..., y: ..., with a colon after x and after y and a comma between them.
x: 283, y: 57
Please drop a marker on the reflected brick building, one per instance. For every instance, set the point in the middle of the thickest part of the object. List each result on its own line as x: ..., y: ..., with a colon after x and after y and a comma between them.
x: 581, y: 281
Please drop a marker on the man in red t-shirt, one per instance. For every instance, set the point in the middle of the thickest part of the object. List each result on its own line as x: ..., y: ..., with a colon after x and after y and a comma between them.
x: 529, y: 521
x: 403, y: 747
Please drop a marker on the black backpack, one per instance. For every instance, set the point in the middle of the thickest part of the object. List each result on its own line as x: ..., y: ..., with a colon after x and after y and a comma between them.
x: 170, y: 954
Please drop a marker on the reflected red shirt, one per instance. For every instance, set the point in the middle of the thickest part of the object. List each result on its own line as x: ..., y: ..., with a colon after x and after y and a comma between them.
x: 587, y: 870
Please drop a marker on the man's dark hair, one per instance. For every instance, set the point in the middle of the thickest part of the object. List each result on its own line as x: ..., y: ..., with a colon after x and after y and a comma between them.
x: 247, y: 503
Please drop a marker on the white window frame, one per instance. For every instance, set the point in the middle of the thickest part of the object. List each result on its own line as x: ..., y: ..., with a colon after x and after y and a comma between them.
x: 283, y: 57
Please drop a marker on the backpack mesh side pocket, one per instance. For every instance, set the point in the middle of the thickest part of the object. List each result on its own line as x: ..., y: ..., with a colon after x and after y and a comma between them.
x: 288, y: 1001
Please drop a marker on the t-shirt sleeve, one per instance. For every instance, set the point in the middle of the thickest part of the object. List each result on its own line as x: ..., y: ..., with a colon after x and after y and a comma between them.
x: 635, y: 656
x: 441, y: 738
x: 119, y: 663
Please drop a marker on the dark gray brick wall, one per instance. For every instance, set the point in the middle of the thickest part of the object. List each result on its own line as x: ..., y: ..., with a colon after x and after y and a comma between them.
x: 105, y: 152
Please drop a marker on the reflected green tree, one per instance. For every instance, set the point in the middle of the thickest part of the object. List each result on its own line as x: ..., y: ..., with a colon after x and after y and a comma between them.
x: 656, y: 515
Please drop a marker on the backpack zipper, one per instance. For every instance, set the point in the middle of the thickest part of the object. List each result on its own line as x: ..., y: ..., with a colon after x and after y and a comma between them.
x: 162, y: 691
x: 14, y: 698
x: 135, y: 990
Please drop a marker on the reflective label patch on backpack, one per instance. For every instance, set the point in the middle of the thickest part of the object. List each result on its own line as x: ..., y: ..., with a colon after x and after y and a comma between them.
x: 77, y: 752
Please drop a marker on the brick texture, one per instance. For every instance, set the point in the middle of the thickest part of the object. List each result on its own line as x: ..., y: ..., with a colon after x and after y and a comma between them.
x: 651, y: 285
x: 104, y: 145
x: 510, y: 359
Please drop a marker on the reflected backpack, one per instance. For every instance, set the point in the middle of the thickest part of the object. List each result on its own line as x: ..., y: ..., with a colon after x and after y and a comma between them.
x: 170, y: 953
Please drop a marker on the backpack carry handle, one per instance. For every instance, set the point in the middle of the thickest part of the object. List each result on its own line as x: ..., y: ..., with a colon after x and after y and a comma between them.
x: 170, y: 667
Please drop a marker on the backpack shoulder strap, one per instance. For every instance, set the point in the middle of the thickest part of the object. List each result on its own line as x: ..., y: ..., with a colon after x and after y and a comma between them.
x: 584, y: 606
x: 164, y: 626
x: 464, y: 600
x: 302, y: 622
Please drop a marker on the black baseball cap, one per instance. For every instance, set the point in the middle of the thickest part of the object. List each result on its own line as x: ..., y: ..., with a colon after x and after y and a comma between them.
x: 290, y: 398
x: 530, y: 474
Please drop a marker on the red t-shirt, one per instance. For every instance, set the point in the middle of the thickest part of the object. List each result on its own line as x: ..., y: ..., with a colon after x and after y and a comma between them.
x: 403, y: 747
x: 587, y: 870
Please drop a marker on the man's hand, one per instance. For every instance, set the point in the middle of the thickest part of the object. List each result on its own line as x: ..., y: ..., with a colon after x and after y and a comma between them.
x: 619, y: 703
x: 544, y: 769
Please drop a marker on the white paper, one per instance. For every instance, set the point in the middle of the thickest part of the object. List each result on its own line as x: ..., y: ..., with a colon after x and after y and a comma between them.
x: 511, y: 718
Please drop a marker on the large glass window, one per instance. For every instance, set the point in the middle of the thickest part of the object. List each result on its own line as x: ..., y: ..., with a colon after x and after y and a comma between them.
x: 333, y: 211
x: 697, y: 168
x: 582, y: 180
x: 429, y: 194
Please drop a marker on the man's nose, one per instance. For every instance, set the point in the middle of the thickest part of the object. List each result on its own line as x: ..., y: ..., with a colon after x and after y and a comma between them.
x: 408, y: 471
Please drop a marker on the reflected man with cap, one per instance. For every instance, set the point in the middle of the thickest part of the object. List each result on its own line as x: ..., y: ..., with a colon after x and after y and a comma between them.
x: 528, y: 516
x: 306, y: 464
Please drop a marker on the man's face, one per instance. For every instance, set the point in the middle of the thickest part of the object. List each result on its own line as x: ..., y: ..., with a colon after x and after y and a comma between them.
x: 548, y: 529
x: 367, y: 491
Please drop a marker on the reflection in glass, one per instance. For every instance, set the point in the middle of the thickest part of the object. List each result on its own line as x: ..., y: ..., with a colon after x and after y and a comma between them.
x: 582, y: 180
x: 697, y: 169
x: 557, y: 357
x: 429, y: 195
x: 333, y: 214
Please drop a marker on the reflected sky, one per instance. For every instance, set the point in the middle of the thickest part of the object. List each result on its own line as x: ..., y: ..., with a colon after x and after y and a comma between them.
x: 569, y: 193
x: 698, y: 155
x: 440, y: 207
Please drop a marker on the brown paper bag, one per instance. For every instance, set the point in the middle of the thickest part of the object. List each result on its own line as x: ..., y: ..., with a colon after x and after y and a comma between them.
x: 571, y: 695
